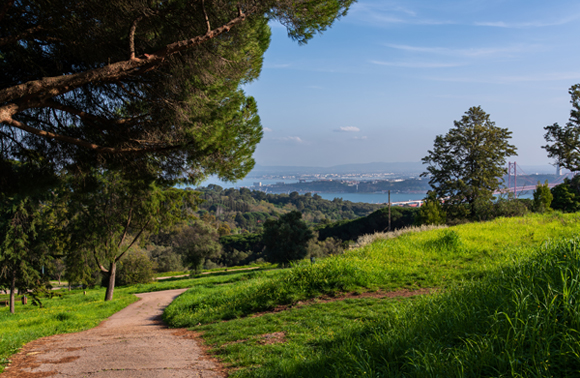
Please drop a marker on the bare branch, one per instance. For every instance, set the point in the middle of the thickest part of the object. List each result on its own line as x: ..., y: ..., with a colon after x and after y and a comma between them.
x: 205, y: 14
x: 132, y: 37
x: 98, y: 262
x: 134, y: 239
x: 85, y: 144
x: 126, y: 226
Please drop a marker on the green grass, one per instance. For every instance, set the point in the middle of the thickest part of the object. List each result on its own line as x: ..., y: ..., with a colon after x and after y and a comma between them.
x: 518, y: 321
x: 437, y: 258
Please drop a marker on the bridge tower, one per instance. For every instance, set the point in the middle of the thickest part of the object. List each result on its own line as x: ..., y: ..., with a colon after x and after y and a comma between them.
x: 513, y: 171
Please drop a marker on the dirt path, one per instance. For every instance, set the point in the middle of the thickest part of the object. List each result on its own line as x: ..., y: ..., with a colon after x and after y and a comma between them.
x: 132, y: 343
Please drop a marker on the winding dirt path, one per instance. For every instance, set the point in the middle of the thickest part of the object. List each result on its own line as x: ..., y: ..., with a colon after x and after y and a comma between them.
x: 132, y: 343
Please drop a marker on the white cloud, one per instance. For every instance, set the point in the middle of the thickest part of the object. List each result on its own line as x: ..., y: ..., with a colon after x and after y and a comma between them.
x: 348, y: 129
x: 527, y: 25
x: 469, y: 53
x: 290, y: 139
x: 417, y: 64
x: 267, y: 129
x: 360, y: 138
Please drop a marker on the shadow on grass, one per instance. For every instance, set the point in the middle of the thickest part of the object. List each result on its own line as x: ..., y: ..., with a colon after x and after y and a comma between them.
x: 520, y: 321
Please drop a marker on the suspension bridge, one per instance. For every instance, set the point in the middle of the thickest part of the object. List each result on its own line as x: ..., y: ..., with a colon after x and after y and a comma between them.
x: 518, y: 182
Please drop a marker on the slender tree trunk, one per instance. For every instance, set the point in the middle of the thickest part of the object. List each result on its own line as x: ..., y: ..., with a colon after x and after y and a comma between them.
x: 111, y: 285
x: 12, y: 290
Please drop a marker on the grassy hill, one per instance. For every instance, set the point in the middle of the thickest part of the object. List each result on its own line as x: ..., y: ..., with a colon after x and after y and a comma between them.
x: 505, y: 306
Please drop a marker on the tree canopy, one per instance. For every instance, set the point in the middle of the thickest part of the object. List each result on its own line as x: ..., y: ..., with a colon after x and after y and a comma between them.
x: 286, y: 238
x: 467, y: 164
x: 564, y: 141
x: 148, y: 86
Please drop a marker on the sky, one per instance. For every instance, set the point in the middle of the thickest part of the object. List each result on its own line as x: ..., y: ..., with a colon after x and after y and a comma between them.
x: 385, y: 80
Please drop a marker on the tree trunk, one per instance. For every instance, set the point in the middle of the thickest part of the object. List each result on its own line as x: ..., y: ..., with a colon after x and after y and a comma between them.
x: 111, y: 285
x: 12, y: 290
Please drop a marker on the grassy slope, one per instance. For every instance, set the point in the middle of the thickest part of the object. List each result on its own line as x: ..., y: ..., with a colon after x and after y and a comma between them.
x: 430, y: 259
x: 518, y: 318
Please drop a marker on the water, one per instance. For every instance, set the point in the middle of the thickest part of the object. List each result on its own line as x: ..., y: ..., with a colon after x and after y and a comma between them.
x: 353, y: 197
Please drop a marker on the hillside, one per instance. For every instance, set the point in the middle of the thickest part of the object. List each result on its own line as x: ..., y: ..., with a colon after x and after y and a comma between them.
x: 505, y: 295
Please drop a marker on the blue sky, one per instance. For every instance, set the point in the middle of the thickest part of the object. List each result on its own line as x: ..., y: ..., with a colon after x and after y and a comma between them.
x: 390, y: 76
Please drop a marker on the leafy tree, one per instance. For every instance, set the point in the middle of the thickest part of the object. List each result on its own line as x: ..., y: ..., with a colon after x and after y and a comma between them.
x: 196, y: 243
x: 566, y: 196
x: 286, y: 238
x: 542, y: 197
x: 431, y: 212
x: 23, y: 244
x: 134, y: 268
x: 108, y: 214
x: 467, y: 164
x: 565, y: 140
x: 149, y: 86
x: 165, y: 259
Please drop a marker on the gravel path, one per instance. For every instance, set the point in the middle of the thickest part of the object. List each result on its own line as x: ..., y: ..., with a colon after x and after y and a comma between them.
x: 132, y: 343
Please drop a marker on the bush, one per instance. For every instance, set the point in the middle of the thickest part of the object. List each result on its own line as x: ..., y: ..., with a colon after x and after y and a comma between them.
x: 134, y: 268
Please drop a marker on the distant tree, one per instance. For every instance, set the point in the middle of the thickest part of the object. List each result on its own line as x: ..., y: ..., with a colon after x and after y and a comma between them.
x: 566, y: 196
x: 564, y: 141
x: 431, y: 212
x: 108, y: 214
x: 165, y: 259
x: 224, y: 229
x: 467, y: 164
x: 196, y: 243
x: 286, y: 238
x: 542, y: 198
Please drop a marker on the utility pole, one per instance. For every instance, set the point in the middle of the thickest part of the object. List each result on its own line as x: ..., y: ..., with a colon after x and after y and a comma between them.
x: 389, y: 211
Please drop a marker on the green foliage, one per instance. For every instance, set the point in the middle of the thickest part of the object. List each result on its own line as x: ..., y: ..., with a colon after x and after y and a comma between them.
x: 431, y: 212
x: 542, y: 198
x: 565, y: 140
x: 378, y: 221
x: 285, y: 239
x: 134, y: 268
x: 152, y: 92
x: 108, y: 213
x: 245, y: 209
x: 196, y: 243
x: 466, y: 164
x: 165, y: 259
x: 566, y: 196
x: 27, y: 233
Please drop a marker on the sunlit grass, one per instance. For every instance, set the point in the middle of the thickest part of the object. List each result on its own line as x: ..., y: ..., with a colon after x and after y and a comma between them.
x: 431, y: 259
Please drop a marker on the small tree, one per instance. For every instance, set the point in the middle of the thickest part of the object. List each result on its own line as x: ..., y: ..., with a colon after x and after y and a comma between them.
x: 566, y: 196
x: 466, y: 164
x: 135, y: 268
x: 286, y: 239
x: 431, y: 212
x: 564, y: 141
x: 109, y: 213
x: 542, y: 198
x: 196, y: 243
